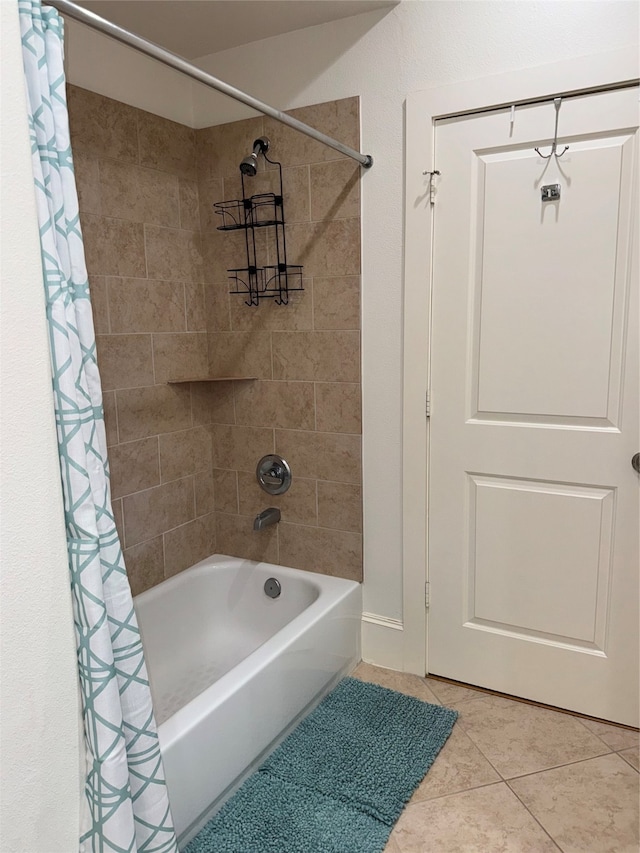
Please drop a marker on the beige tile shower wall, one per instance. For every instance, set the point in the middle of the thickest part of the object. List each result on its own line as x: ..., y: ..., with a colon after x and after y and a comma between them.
x: 305, y: 402
x: 136, y: 176
x: 183, y: 456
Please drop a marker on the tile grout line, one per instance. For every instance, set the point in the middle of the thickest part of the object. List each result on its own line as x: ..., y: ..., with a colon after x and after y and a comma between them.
x: 509, y: 780
x: 233, y: 399
x: 295, y: 523
x: 477, y: 788
x: 482, y: 753
x: 271, y: 354
x: 411, y: 805
x: 462, y: 726
x: 164, y: 558
x: 97, y: 162
x: 534, y: 772
x: 560, y: 766
x: 528, y: 810
x: 315, y: 406
x: 157, y: 438
x: 618, y: 727
x: 184, y: 306
x: 123, y: 544
x: 153, y: 359
x: 169, y: 530
x: 108, y: 295
x: 502, y: 780
x: 159, y: 333
x: 115, y: 406
x: 601, y: 739
x: 624, y: 758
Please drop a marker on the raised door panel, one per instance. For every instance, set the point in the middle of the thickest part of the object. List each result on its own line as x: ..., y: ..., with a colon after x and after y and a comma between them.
x: 549, y: 288
x: 539, y: 560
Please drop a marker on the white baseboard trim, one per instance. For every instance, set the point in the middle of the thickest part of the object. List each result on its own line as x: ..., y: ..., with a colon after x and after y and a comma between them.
x: 382, y: 641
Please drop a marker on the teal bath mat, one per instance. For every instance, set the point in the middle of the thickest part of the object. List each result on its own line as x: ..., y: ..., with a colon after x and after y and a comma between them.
x: 339, y: 782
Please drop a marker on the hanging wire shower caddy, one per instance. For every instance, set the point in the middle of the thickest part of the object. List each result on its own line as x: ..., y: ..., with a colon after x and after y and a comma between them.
x: 262, y: 210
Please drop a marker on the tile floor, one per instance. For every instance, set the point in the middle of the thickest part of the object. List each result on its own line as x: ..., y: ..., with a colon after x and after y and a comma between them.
x: 515, y: 778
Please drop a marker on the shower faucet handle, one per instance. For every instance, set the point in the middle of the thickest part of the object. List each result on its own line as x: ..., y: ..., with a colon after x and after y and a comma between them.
x: 273, y: 474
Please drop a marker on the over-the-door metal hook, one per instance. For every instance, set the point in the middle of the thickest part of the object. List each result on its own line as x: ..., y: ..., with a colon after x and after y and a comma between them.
x: 554, y: 146
x: 432, y: 189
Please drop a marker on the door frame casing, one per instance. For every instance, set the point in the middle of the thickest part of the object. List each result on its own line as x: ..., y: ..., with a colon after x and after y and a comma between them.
x: 422, y: 110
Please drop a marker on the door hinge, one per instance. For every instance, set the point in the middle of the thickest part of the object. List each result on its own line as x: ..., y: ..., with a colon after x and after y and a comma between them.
x: 427, y: 403
x: 426, y: 595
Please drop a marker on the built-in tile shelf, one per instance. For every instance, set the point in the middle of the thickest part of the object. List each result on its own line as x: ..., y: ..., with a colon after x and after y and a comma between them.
x: 212, y: 379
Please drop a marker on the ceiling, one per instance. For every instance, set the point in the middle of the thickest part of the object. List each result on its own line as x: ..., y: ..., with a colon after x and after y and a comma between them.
x: 194, y: 28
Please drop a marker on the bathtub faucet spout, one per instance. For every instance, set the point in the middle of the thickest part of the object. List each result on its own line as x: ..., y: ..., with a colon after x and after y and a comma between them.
x: 266, y: 517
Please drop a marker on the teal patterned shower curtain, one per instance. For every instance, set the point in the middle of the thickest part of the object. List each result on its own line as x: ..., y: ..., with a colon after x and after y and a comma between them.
x: 125, y: 789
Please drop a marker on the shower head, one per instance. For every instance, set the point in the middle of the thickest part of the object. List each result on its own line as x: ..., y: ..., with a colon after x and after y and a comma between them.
x: 249, y: 166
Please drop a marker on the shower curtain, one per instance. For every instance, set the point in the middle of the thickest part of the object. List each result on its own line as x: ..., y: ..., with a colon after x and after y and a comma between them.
x: 126, y: 796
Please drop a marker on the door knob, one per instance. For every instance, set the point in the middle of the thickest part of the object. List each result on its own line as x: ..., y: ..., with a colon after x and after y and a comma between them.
x: 635, y: 462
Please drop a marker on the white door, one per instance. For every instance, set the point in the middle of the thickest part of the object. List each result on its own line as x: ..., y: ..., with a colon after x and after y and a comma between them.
x: 533, y: 501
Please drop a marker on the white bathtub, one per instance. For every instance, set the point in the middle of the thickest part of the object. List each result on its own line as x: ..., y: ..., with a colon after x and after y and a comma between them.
x: 232, y: 670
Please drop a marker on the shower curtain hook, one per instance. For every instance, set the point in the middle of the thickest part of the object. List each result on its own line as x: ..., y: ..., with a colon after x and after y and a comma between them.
x: 554, y: 146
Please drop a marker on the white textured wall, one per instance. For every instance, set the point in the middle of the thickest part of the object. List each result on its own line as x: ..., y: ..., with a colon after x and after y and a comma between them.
x: 39, y: 792
x: 382, y: 56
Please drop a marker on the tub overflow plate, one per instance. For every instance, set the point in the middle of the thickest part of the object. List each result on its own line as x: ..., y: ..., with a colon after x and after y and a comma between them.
x: 272, y: 587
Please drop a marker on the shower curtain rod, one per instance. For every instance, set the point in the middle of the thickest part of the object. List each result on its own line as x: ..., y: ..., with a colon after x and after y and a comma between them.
x: 84, y: 16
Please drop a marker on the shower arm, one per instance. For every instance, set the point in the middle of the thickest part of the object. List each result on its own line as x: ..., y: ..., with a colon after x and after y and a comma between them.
x: 84, y: 16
